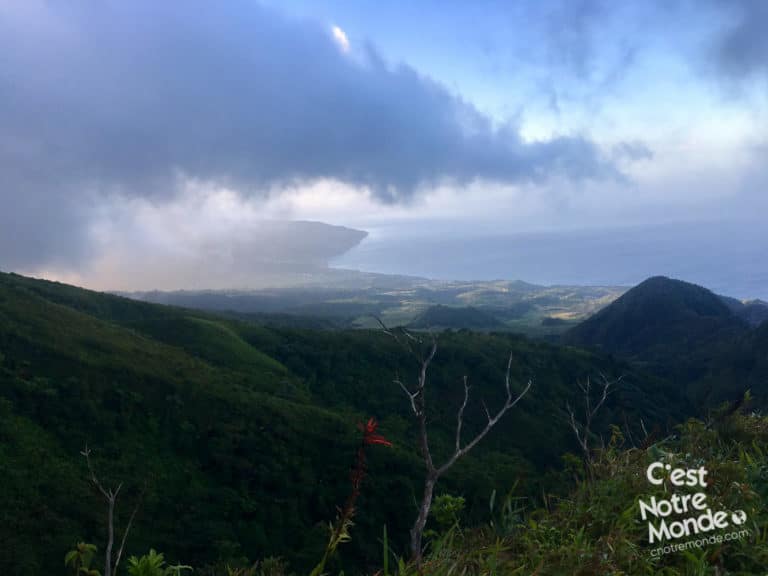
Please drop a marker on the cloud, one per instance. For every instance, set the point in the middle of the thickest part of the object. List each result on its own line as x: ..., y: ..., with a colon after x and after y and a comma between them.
x: 742, y: 48
x: 571, y: 34
x: 204, y: 238
x: 632, y: 151
x: 589, y: 47
x: 123, y: 100
x: 341, y: 38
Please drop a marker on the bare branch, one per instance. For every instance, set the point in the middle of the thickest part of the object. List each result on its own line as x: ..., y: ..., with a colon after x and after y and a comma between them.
x: 406, y: 342
x: 411, y: 337
x: 128, y: 529
x: 425, y: 364
x: 576, y: 428
x: 87, y: 453
x: 583, y: 430
x: 383, y: 326
x: 125, y: 536
x: 606, y: 389
x: 491, y: 423
x: 110, y: 496
x: 411, y: 396
x: 460, y: 416
x: 506, y: 375
x: 485, y: 409
x: 417, y: 400
x: 509, y: 403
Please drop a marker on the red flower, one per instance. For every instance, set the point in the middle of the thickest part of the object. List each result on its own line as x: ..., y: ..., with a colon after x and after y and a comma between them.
x: 369, y: 433
x: 377, y: 439
x: 368, y: 427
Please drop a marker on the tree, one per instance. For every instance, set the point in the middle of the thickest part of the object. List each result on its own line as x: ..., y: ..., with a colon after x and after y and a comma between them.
x: 583, y: 429
x: 110, y: 495
x: 414, y: 345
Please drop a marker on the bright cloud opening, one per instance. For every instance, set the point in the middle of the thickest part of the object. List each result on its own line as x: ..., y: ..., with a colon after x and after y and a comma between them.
x: 341, y: 38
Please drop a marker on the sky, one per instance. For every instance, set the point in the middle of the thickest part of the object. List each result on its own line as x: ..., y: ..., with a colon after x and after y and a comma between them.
x: 171, y: 145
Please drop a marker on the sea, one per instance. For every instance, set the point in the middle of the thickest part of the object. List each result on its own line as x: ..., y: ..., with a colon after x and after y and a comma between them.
x: 730, y: 258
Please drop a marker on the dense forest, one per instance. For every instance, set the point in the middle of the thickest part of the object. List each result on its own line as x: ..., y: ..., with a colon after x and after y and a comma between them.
x: 233, y: 438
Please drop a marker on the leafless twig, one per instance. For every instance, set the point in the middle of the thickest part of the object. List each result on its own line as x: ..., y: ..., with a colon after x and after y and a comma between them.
x: 110, y: 495
x: 583, y: 429
x: 417, y: 399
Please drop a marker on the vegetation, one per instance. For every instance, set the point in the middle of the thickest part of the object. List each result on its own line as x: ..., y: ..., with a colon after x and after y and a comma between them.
x: 709, y: 345
x: 232, y: 440
x: 597, y: 529
x: 417, y: 398
x: 351, y: 299
x: 657, y: 317
x: 442, y: 317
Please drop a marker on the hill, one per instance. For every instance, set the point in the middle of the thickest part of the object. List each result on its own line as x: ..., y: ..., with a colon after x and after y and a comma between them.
x: 753, y: 312
x: 242, y: 433
x: 173, y: 413
x: 656, y: 318
x: 737, y: 365
x: 714, y: 348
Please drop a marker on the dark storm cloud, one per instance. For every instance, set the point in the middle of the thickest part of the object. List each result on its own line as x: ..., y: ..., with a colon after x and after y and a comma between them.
x: 122, y: 97
x: 742, y: 50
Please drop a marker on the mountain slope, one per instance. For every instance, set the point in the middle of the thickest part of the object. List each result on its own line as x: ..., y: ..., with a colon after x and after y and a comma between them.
x: 658, y: 318
x: 710, y: 346
x: 244, y: 433
x: 739, y: 365
x: 211, y: 441
x: 753, y: 312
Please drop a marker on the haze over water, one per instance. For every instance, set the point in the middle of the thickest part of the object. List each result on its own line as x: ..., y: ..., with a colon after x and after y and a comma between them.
x: 728, y: 259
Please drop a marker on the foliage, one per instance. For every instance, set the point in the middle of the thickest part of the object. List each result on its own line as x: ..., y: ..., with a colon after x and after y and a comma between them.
x: 709, y: 345
x: 340, y: 530
x: 446, y: 510
x: 153, y: 564
x: 79, y: 560
x: 597, y: 529
x: 243, y: 431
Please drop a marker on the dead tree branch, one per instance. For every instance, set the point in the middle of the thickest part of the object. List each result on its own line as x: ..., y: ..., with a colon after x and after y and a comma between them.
x: 509, y: 403
x: 110, y: 495
x: 417, y: 399
x: 583, y: 429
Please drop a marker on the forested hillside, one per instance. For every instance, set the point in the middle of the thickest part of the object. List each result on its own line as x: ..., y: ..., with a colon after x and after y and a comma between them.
x: 237, y: 437
x: 656, y: 317
x: 714, y: 347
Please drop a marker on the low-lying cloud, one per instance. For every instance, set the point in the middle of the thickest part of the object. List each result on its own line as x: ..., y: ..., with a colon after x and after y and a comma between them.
x: 125, y: 99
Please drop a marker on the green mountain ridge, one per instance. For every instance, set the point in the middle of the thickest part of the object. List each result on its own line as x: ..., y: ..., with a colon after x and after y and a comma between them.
x: 655, y: 313
x: 685, y: 333
x: 243, y: 432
